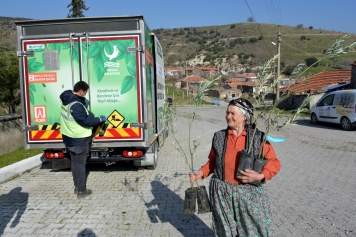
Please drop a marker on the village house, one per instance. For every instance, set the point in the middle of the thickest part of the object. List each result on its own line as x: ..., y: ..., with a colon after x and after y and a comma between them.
x: 192, y: 83
x: 206, y: 72
x: 317, y: 85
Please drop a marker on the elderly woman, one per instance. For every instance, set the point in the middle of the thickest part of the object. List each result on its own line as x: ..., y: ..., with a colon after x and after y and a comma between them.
x: 238, y: 207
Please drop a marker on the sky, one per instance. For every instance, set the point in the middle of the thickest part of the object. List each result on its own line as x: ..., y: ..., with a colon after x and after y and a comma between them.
x: 335, y: 15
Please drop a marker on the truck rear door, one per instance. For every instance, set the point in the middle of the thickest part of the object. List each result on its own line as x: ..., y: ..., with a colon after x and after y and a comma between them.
x: 105, y: 63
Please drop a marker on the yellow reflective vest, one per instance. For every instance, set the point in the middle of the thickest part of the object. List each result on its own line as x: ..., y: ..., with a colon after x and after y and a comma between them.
x: 69, y: 126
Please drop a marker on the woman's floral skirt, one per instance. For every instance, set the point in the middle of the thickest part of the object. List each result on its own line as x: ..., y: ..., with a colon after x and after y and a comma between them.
x: 240, y: 210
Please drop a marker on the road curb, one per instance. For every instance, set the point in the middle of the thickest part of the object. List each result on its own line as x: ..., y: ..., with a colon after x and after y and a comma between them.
x: 11, y: 171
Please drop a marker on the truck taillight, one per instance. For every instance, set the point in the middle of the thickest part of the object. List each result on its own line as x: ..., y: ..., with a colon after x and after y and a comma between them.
x: 54, y: 154
x: 132, y: 154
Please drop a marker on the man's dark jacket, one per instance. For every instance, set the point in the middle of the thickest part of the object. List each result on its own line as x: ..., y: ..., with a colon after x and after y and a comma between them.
x: 80, y: 116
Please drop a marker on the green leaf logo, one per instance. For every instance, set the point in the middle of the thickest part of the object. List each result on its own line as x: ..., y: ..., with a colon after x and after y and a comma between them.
x: 127, y: 84
x: 33, y: 66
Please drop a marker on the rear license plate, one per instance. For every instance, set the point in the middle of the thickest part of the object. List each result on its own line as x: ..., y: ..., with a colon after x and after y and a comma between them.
x: 99, y: 154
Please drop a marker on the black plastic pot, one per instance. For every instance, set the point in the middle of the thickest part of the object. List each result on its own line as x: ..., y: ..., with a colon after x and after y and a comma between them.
x: 246, y: 162
x: 259, y: 163
x: 190, y: 201
x: 203, y: 200
x: 258, y: 166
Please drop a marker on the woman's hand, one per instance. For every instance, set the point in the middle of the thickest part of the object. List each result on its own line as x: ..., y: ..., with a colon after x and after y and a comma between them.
x: 250, y: 176
x: 193, y: 176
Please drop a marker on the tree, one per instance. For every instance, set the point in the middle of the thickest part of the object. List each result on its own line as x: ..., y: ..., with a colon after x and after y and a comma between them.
x: 288, y: 70
x: 310, y: 27
x: 10, y: 82
x: 311, y: 62
x: 250, y: 19
x: 77, y: 7
x: 303, y: 37
x: 300, y: 26
x: 253, y: 40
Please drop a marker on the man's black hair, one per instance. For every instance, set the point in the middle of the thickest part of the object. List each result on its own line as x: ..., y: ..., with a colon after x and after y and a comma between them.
x: 81, y: 85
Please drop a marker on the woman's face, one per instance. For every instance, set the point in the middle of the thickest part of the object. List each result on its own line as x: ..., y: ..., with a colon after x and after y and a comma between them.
x: 234, y: 117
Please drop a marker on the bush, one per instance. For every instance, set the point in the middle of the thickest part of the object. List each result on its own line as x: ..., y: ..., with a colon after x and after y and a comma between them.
x: 310, y: 61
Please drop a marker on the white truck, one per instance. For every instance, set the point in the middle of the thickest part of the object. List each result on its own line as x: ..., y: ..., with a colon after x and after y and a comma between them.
x: 120, y: 59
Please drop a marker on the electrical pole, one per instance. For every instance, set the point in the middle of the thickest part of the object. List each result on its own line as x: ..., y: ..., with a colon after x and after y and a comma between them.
x: 278, y: 64
x: 186, y: 74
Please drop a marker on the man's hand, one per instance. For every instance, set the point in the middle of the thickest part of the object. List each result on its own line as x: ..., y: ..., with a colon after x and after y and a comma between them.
x: 102, y: 118
x: 250, y: 176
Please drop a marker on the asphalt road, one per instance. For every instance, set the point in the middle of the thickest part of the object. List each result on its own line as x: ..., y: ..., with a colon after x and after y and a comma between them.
x: 313, y: 195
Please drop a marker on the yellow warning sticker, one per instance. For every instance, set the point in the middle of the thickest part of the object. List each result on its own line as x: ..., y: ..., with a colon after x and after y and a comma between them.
x: 115, y: 118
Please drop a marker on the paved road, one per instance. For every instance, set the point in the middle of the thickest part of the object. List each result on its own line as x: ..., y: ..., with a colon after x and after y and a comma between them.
x: 313, y: 195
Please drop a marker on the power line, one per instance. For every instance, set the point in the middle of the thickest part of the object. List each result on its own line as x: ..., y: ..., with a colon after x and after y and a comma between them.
x: 296, y: 48
x: 258, y: 26
x: 253, y: 17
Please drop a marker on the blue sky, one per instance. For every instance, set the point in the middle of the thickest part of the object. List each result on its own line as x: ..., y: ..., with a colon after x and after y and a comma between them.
x: 325, y: 14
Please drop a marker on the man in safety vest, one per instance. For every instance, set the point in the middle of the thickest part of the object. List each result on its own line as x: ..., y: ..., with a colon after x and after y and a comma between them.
x: 76, y: 128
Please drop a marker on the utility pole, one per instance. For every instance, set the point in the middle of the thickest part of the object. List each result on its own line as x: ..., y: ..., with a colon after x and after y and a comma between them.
x: 278, y: 63
x: 186, y: 74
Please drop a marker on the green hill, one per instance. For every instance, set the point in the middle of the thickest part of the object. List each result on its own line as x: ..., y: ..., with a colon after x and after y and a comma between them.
x: 251, y: 42
x: 232, y: 47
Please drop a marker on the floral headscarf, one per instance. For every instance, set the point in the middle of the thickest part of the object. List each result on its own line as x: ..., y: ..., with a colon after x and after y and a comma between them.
x: 243, y: 104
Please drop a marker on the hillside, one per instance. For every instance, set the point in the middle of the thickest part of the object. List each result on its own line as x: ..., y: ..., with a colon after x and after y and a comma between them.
x: 252, y: 42
x: 233, y: 47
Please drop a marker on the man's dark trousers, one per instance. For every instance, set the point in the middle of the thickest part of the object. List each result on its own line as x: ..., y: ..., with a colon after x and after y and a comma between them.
x: 79, y: 155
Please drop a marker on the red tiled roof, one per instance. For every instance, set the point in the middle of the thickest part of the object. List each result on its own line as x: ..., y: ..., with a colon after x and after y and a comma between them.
x: 174, y: 68
x: 233, y: 80
x: 322, y: 79
x: 250, y: 74
x: 241, y: 83
x: 207, y: 68
x: 192, y: 79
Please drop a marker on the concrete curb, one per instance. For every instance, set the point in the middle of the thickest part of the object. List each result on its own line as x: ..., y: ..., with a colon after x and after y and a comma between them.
x: 20, y: 167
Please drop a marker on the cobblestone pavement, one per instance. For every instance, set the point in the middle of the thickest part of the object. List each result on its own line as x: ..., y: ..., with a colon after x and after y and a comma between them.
x: 313, y: 195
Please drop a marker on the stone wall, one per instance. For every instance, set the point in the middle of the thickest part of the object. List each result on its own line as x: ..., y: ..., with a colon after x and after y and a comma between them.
x: 294, y: 101
x: 11, y: 135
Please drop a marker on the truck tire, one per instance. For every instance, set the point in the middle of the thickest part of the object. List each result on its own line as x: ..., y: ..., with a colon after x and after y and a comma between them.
x: 155, y: 156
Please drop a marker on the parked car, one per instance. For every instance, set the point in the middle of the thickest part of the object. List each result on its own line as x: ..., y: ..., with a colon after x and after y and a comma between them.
x: 336, y: 107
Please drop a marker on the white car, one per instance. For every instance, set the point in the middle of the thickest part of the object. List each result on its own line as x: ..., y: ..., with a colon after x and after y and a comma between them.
x: 336, y: 107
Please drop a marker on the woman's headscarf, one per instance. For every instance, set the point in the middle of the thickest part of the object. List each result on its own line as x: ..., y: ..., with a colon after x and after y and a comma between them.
x: 245, y: 107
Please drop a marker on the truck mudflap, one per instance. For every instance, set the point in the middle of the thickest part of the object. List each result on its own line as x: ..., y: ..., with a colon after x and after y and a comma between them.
x: 151, y: 157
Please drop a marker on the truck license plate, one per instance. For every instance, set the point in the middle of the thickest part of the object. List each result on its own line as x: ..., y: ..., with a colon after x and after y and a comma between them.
x: 99, y: 154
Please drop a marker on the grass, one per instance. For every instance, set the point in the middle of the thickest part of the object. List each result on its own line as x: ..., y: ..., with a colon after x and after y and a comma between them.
x: 18, y: 155
x: 180, y: 97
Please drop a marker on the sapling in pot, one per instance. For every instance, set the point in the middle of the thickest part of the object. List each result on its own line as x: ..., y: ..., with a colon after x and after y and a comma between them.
x: 193, y: 194
x: 270, y: 115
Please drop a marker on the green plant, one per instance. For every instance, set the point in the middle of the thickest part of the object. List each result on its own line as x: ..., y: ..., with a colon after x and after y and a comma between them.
x: 270, y: 115
x: 168, y: 115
